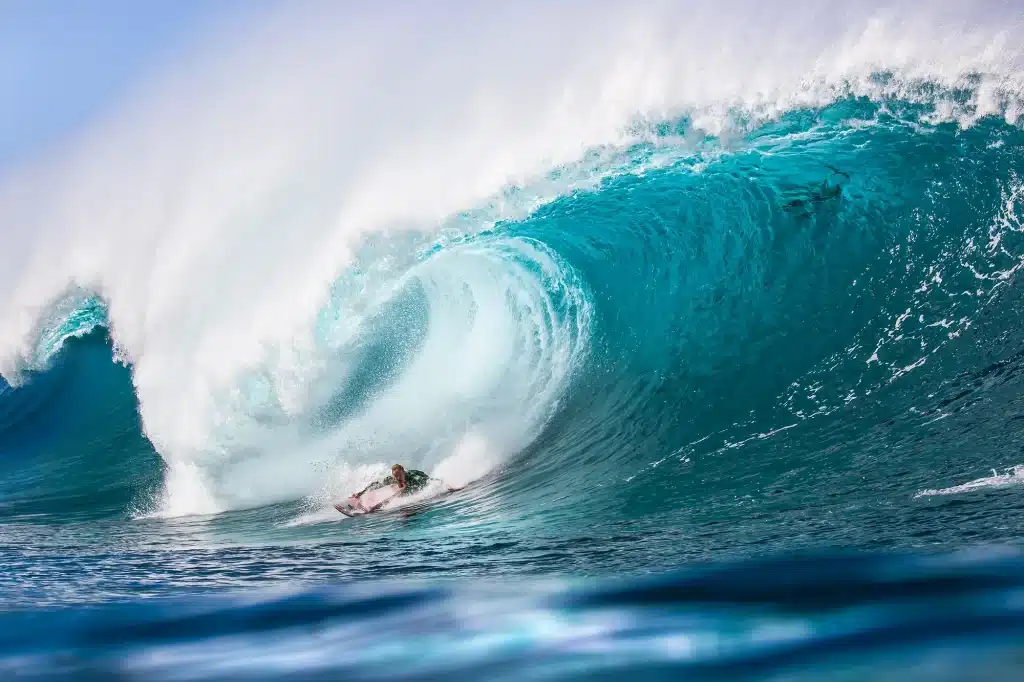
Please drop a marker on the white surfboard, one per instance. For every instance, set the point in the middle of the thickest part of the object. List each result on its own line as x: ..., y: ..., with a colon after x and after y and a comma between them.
x: 369, y: 501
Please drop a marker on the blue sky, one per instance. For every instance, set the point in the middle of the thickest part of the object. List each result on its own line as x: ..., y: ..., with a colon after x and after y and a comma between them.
x: 62, y: 62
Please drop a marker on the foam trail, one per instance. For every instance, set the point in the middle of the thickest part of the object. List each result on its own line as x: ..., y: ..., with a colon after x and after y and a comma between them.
x: 1011, y: 477
x: 215, y: 212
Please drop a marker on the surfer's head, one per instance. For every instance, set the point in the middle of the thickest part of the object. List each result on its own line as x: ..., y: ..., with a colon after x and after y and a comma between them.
x: 398, y: 472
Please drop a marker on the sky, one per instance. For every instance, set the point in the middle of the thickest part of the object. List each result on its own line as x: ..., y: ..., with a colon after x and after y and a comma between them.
x: 64, y: 62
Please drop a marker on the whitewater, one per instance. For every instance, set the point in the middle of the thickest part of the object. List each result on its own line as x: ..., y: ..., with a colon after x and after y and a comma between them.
x: 665, y: 289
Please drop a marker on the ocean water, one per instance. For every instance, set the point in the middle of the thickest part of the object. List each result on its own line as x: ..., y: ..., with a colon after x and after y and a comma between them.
x: 710, y: 312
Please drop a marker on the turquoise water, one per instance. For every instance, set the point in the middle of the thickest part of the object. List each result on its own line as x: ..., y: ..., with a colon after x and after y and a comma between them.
x: 676, y: 376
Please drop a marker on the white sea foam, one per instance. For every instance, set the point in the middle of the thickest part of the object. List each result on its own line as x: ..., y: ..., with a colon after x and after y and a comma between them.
x: 1010, y: 477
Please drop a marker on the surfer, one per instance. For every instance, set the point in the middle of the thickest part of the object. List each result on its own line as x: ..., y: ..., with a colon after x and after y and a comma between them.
x: 408, y: 481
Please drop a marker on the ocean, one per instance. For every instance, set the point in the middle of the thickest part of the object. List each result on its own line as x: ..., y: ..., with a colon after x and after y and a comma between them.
x: 709, y: 312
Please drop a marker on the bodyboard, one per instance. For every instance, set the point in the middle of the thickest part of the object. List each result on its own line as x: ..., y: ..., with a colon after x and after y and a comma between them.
x: 368, y: 501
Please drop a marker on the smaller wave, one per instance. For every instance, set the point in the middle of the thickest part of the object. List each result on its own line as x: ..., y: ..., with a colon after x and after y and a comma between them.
x: 75, y: 314
x: 1010, y: 477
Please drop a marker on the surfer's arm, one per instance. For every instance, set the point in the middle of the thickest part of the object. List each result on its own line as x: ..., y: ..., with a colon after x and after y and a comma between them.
x: 372, y: 486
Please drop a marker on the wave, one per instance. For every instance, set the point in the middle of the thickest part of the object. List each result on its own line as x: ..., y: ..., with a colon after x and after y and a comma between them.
x: 870, y: 618
x: 73, y: 445
x: 572, y: 253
